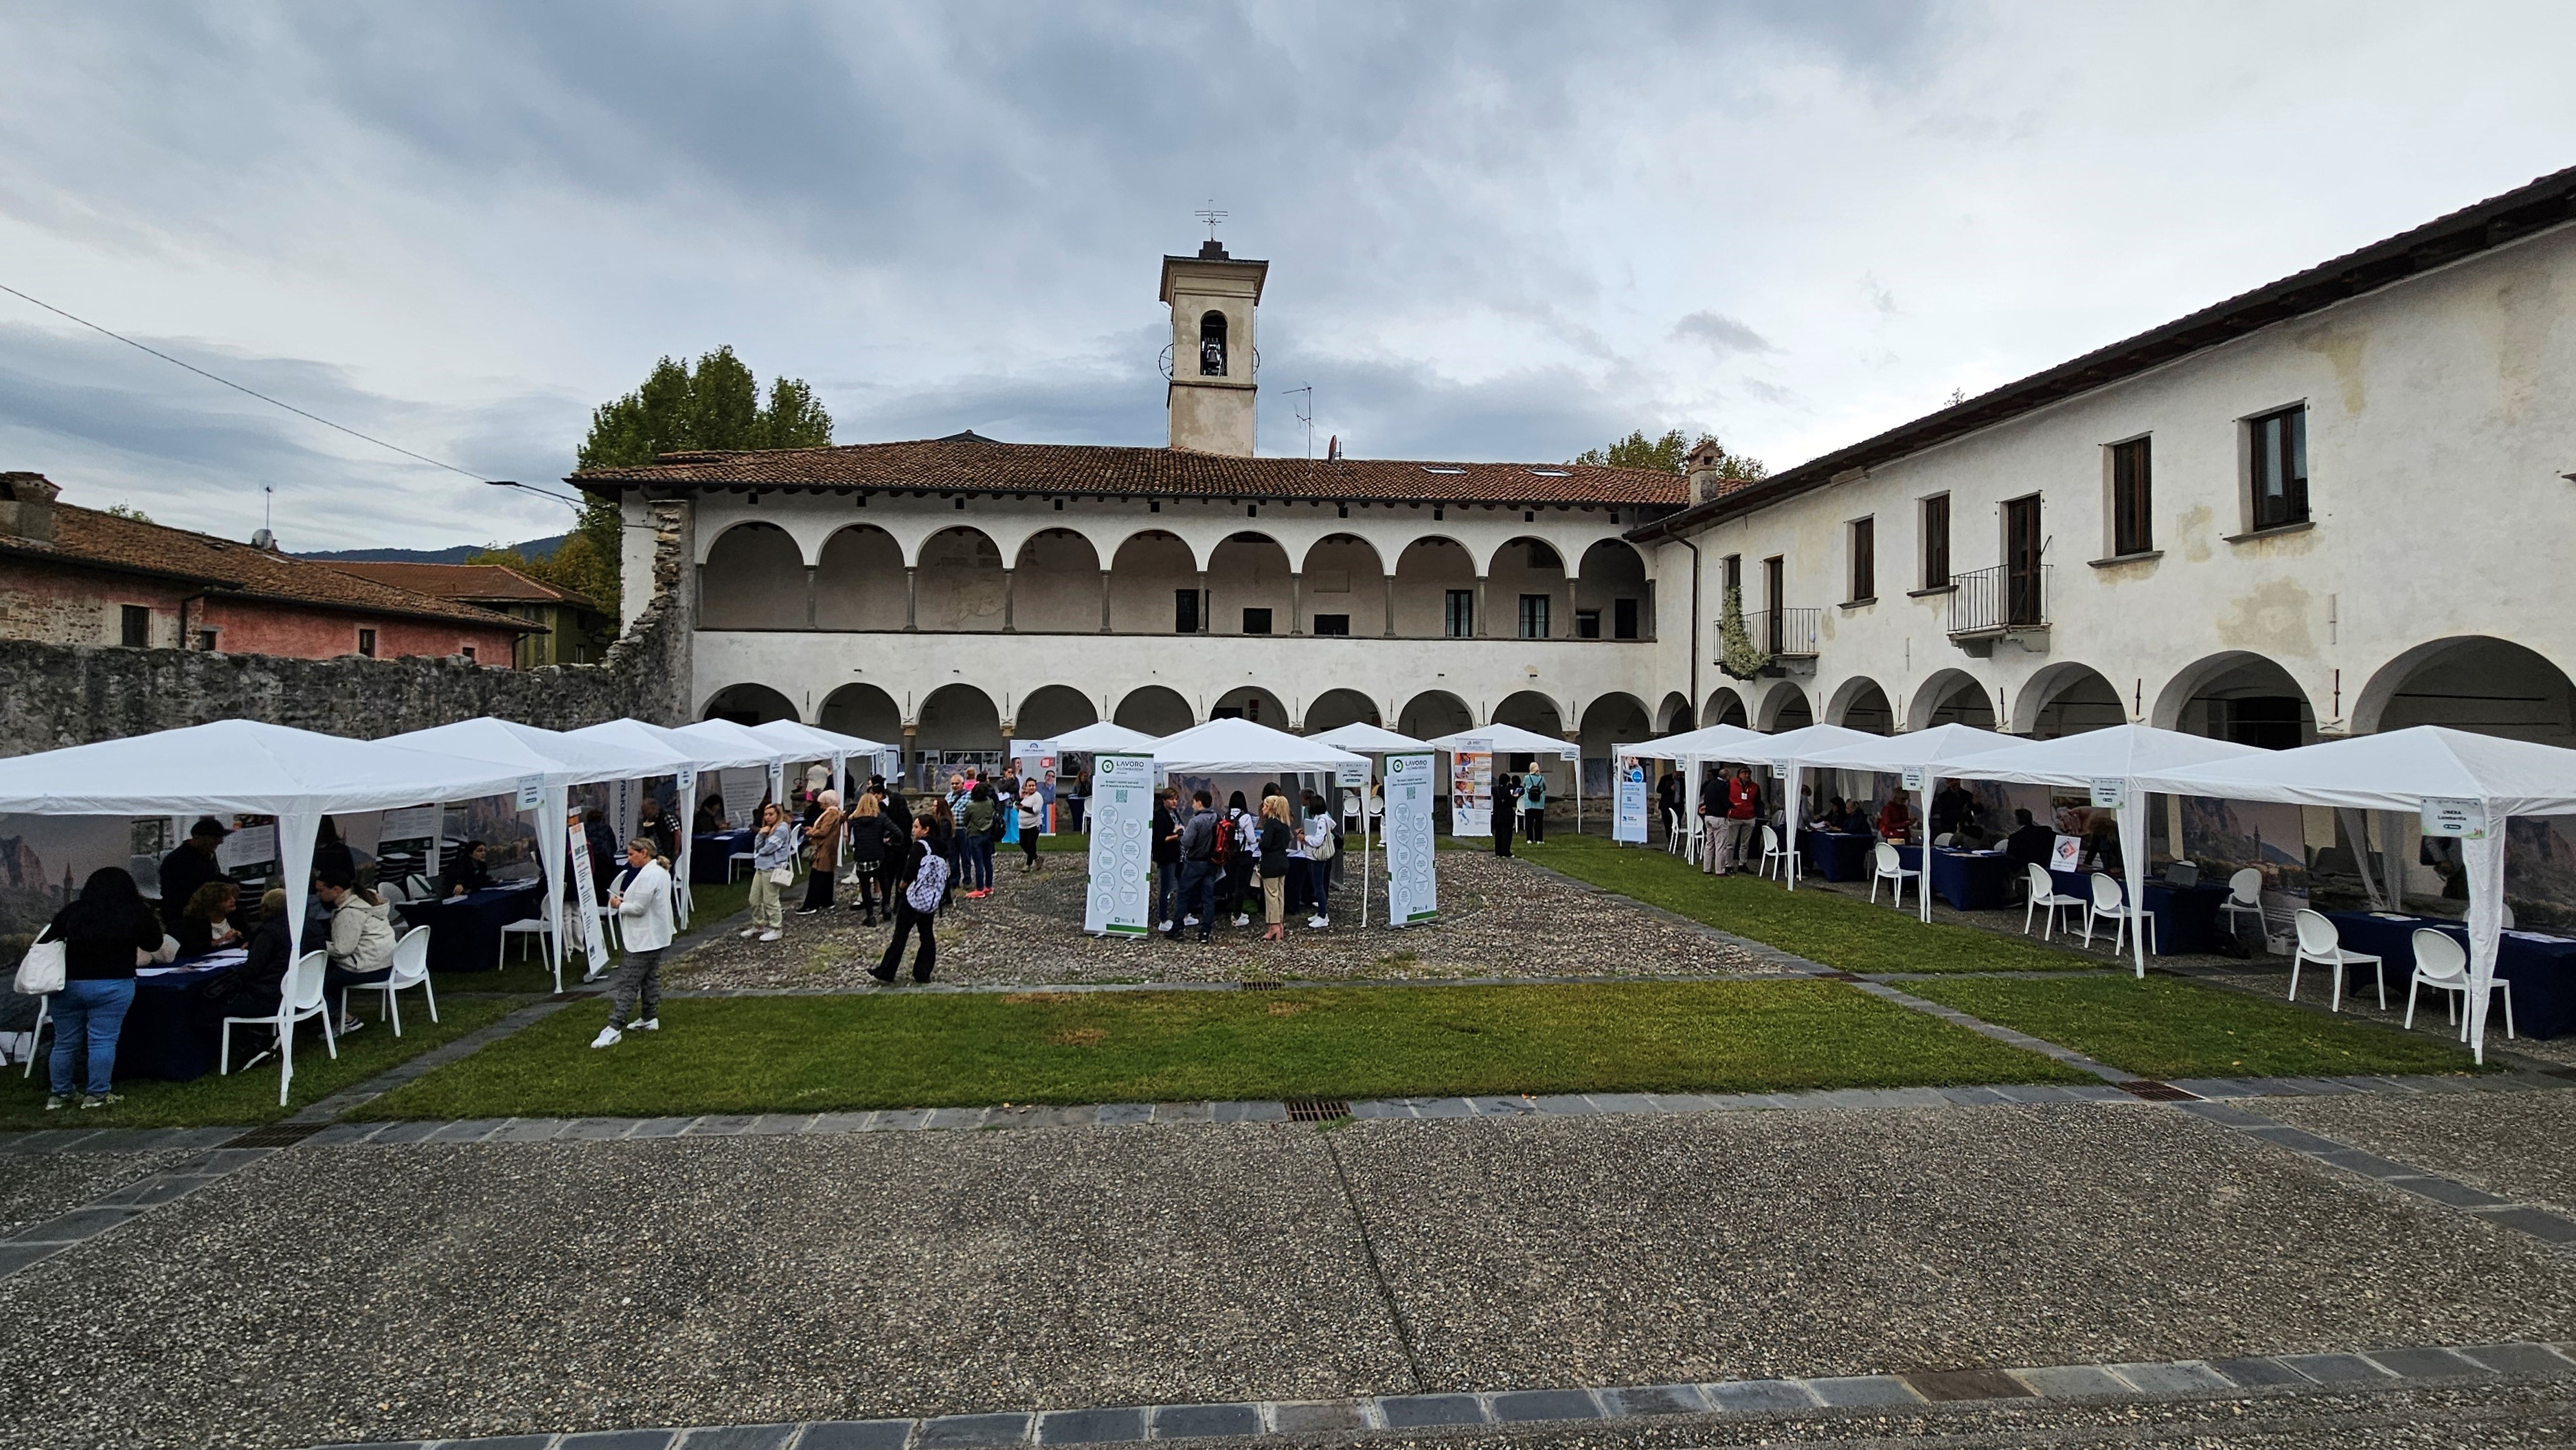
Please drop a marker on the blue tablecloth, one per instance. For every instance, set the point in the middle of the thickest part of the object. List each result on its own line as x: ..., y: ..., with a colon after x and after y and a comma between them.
x: 2541, y: 968
x: 171, y: 1030
x: 1837, y: 855
x: 1968, y: 880
x: 465, y: 931
x: 711, y: 856
x: 2186, y: 917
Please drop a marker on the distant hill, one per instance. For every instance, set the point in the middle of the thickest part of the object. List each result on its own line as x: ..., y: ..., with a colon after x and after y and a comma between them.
x: 533, y: 548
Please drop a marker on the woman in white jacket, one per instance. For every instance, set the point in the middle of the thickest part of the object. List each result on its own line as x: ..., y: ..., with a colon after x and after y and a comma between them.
x: 643, y: 905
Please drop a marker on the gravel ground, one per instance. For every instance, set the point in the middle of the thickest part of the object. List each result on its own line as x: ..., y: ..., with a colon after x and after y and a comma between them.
x: 382, y: 1292
x: 2519, y: 1145
x: 1751, y: 1245
x: 1499, y: 918
x: 35, y: 1187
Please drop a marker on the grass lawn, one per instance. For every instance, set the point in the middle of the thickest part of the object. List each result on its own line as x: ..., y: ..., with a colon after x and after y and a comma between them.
x: 251, y: 1097
x: 815, y: 1054
x: 1821, y: 926
x: 523, y: 962
x: 2165, y: 1027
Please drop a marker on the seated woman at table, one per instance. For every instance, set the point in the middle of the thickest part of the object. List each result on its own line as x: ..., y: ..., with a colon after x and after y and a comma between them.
x: 361, y: 949
x: 250, y: 988
x: 204, y: 923
x: 1895, y: 819
x: 104, y: 935
x: 710, y: 819
x: 465, y: 873
x: 1971, y: 834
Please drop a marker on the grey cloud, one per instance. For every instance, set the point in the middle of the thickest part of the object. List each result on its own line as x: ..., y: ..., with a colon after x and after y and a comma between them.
x: 1722, y: 333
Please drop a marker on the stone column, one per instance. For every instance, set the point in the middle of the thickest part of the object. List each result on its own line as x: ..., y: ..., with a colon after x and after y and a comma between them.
x: 1389, y: 581
x: 1296, y: 602
x: 1104, y: 601
x: 809, y: 596
x: 1484, y: 615
x: 911, y: 730
x: 1009, y: 599
x: 1207, y: 606
x: 911, y: 603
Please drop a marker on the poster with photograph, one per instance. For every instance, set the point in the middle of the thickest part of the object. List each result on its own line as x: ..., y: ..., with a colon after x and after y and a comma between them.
x: 1628, y: 822
x: 1471, y: 789
x: 1412, y: 894
x: 1122, y: 847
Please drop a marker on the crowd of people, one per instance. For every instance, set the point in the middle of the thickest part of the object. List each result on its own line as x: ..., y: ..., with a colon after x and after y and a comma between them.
x: 1205, y: 862
x: 1732, y: 806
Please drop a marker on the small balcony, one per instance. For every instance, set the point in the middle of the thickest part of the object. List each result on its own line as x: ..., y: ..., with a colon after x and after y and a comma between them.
x: 1785, y: 640
x: 2000, y: 603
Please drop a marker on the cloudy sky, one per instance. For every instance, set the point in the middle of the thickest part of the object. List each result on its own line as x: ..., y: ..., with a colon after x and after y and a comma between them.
x: 1496, y: 231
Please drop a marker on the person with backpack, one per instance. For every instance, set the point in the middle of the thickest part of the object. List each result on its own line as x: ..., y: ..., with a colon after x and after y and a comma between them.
x: 1534, y: 805
x: 1198, y: 868
x: 925, y: 885
x: 1234, y: 844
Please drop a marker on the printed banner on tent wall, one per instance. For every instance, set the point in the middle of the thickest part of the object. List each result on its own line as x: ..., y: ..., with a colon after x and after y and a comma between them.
x: 1122, y: 851
x: 1629, y: 822
x: 743, y: 791
x: 1411, y: 894
x: 890, y: 763
x: 1471, y: 789
x: 2466, y: 819
x: 532, y: 792
x: 585, y: 890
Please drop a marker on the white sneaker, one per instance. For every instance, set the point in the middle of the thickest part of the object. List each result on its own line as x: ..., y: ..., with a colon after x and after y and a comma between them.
x: 747, y: 933
x: 1242, y: 920
x: 1317, y: 922
x: 649, y: 1024
x: 769, y: 936
x: 1189, y: 921
x: 608, y: 1037
x: 1166, y: 926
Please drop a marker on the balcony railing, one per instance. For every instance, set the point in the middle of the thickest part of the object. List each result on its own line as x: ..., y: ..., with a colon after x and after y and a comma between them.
x: 1789, y: 633
x: 1998, y: 600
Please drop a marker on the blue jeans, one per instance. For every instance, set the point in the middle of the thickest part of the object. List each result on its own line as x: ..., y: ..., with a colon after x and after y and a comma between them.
x: 1319, y: 880
x: 89, y: 1013
x: 1167, y: 880
x: 1198, y: 897
x: 979, y: 863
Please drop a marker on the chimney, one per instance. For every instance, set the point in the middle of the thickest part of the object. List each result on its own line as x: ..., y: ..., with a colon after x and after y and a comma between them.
x: 27, y: 508
x: 1701, y: 468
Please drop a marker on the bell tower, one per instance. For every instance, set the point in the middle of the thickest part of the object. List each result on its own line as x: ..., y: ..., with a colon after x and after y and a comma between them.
x: 1212, y: 297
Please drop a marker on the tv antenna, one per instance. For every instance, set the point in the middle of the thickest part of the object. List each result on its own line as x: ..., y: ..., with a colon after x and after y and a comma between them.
x: 1210, y: 215
x: 1306, y: 415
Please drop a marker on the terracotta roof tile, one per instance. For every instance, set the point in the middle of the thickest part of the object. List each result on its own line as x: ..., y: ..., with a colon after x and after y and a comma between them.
x: 959, y: 465
x: 89, y: 536
x: 465, y: 583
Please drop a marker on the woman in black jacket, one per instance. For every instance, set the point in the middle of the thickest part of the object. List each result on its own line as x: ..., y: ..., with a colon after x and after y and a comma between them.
x: 252, y: 988
x: 1274, y: 867
x: 868, y: 845
x: 102, y: 934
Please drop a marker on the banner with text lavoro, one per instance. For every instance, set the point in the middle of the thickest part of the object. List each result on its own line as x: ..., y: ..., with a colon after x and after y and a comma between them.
x: 1122, y: 845
x: 1471, y: 788
x: 1629, y: 821
x: 578, y: 866
x: 1412, y: 895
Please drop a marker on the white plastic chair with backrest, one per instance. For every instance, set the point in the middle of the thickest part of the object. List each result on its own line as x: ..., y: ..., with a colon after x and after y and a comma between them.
x: 1771, y: 851
x: 1889, y: 867
x: 1673, y: 837
x: 2443, y: 964
x: 411, y: 969
x: 35, y: 1034
x: 2244, y: 898
x: 2319, y: 942
x: 299, y: 996
x: 1944, y: 839
x: 2109, y: 904
x: 2043, y: 894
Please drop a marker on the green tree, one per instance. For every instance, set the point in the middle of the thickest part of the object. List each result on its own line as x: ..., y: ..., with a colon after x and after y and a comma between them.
x: 713, y: 405
x: 1668, y: 454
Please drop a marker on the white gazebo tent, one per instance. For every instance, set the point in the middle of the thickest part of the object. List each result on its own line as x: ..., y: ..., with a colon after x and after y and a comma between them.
x: 1362, y: 738
x: 1240, y: 747
x: 772, y: 756
x: 821, y: 744
x: 557, y: 762
x: 1505, y: 739
x: 1694, y: 748
x: 2479, y: 782
x: 1099, y: 736
x: 2096, y: 758
x: 696, y: 753
x: 242, y: 767
x: 1784, y: 753
x: 1928, y: 752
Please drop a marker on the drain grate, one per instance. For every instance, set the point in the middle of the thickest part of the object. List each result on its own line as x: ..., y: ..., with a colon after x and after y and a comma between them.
x: 1259, y: 986
x: 277, y: 1135
x: 1317, y: 1110
x: 2157, y: 1092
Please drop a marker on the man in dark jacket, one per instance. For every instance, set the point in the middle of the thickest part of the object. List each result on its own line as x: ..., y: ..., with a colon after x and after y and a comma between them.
x: 1167, y: 855
x: 190, y: 865
x: 1198, y: 868
x: 2029, y: 845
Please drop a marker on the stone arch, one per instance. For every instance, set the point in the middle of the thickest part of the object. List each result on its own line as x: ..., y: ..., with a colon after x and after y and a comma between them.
x: 1344, y: 583
x: 1247, y: 582
x: 1950, y: 697
x: 1425, y: 571
x: 748, y: 704
x: 862, y: 710
x: 959, y: 717
x: 2067, y: 698
x: 2471, y: 682
x: 1156, y: 710
x: 1785, y: 708
x: 1613, y: 720
x: 1727, y: 706
x: 1334, y: 709
x: 754, y: 578
x: 2241, y: 696
x: 1253, y: 703
x: 1522, y: 571
x: 1052, y: 710
x: 960, y: 583
x: 1532, y: 711
x: 859, y: 581
x: 1055, y: 584
x: 1611, y: 586
x: 1673, y: 716
x: 1433, y: 713
x: 1146, y: 571
x: 1859, y: 704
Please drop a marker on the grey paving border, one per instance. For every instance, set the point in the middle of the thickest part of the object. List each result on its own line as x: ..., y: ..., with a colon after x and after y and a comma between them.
x: 42, y: 1241
x: 2258, y: 1376
x: 2547, y: 1225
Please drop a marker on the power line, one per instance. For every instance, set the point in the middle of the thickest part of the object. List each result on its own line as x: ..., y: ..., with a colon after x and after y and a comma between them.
x: 254, y: 392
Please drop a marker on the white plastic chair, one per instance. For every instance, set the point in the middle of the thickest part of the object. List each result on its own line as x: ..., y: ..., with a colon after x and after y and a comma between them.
x: 535, y: 927
x: 2319, y: 942
x: 35, y: 1035
x: 300, y: 997
x: 2043, y: 893
x: 1772, y: 851
x: 738, y: 858
x: 2108, y: 904
x: 411, y: 969
x: 1890, y: 867
x: 392, y: 891
x: 1676, y: 834
x: 1944, y: 839
x: 2244, y: 898
x: 2443, y: 964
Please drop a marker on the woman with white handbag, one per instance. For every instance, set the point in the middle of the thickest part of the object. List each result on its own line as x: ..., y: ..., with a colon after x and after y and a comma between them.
x: 102, y: 937
x: 773, y: 866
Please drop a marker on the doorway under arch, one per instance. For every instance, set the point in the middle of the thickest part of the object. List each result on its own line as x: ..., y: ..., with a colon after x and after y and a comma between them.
x: 754, y: 578
x: 1859, y: 704
x: 749, y: 705
x: 2239, y: 696
x: 862, y: 710
x: 1334, y: 709
x: 2471, y: 682
x: 1052, y: 710
x: 1156, y: 710
x: 1432, y: 714
x: 1951, y: 697
x: 2067, y: 699
x: 1786, y: 708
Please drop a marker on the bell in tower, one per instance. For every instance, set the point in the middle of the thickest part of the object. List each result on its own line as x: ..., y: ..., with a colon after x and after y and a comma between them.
x: 1210, y: 397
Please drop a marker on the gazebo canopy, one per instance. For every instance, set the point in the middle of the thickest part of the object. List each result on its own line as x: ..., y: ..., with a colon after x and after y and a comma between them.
x: 752, y: 747
x: 1930, y: 749
x: 1102, y: 735
x: 1712, y: 742
x: 2395, y: 771
x: 814, y: 742
x: 654, y: 749
x: 241, y: 767
x: 2119, y: 752
x: 1506, y: 740
x: 1240, y: 747
x: 1360, y: 737
x: 560, y: 758
x: 1790, y: 746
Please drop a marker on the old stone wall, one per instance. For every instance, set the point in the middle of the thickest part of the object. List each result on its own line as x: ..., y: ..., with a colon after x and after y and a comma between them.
x: 53, y: 695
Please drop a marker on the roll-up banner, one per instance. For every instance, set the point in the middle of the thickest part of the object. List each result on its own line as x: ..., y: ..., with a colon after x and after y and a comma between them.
x: 1471, y: 789
x: 1412, y: 893
x: 1122, y: 848
x: 1629, y: 823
